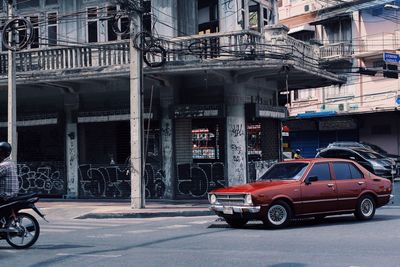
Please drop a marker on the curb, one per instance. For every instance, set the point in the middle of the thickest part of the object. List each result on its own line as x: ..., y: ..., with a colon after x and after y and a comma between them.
x: 146, y: 215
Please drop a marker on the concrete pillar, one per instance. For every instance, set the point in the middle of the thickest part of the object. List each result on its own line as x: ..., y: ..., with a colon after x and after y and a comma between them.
x: 71, y: 132
x: 236, y: 149
x: 230, y: 15
x: 167, y: 145
x: 166, y: 13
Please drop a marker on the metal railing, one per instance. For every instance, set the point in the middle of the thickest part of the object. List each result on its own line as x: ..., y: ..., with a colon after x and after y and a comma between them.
x: 336, y: 51
x: 378, y: 42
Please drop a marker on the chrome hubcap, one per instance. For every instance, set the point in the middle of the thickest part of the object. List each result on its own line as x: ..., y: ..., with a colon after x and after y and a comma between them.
x: 277, y: 214
x: 367, y: 207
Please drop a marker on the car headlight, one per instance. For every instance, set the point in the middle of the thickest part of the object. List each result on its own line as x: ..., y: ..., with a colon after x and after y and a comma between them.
x: 213, y: 199
x: 377, y: 165
x: 248, y: 200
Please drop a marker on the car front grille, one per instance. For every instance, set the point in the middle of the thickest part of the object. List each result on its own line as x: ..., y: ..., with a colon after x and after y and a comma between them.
x: 231, y: 199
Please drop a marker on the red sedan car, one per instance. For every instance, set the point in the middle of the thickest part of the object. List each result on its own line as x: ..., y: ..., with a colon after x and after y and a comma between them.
x: 303, y: 188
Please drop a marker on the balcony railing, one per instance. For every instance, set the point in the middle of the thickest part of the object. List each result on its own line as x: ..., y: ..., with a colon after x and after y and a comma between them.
x: 378, y: 42
x: 62, y: 58
x: 182, y: 50
x: 336, y: 51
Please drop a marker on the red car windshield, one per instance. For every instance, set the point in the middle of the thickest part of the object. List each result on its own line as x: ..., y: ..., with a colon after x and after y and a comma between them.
x: 285, y: 171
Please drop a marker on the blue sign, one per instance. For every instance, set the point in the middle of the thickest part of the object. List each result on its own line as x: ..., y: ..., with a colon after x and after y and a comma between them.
x: 391, y: 58
x: 398, y: 100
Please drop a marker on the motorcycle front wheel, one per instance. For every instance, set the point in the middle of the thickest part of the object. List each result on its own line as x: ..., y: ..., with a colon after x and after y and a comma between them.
x: 24, y: 231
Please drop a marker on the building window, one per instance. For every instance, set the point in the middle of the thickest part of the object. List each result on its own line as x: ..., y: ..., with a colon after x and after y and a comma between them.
x: 52, y: 28
x: 208, y: 16
x: 22, y: 33
x: 111, y: 35
x: 254, y: 15
x: 51, y: 2
x: 206, y: 140
x: 27, y: 4
x: 92, y: 25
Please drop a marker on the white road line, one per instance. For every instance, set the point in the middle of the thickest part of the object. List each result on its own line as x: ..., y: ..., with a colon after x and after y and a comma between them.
x: 201, y: 222
x: 88, y: 255
x: 141, y: 231
x: 46, y: 230
x: 8, y: 251
x: 176, y: 226
x: 74, y: 227
x: 101, y: 236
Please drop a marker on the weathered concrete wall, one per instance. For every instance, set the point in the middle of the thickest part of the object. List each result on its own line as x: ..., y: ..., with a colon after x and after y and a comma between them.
x: 229, y: 15
x: 167, y: 142
x: 166, y: 12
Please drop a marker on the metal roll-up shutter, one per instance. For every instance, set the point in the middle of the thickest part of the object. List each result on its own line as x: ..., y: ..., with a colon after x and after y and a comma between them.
x: 306, y: 141
x: 183, y: 141
x: 270, y: 139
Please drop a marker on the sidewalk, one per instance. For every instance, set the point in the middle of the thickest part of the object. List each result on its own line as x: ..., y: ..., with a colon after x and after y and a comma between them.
x: 100, y: 209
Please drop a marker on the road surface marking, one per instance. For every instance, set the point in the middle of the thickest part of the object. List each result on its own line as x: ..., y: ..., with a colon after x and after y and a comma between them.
x: 104, y: 235
x: 176, y: 226
x: 88, y: 255
x: 200, y: 222
x: 48, y: 230
x: 141, y: 231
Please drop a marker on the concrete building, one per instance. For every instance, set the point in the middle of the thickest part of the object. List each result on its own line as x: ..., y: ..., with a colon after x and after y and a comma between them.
x: 212, y: 112
x: 350, y: 36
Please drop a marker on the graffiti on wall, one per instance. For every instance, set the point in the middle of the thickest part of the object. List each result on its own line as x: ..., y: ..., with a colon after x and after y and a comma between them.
x: 114, y: 181
x: 196, y: 180
x: 45, y: 178
x: 236, y: 153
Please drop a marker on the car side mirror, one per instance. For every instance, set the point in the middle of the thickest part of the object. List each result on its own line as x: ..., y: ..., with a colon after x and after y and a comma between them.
x: 310, y: 179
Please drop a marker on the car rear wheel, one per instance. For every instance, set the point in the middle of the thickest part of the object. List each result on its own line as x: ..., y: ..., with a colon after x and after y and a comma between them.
x: 365, y: 208
x: 278, y: 215
x: 236, y: 222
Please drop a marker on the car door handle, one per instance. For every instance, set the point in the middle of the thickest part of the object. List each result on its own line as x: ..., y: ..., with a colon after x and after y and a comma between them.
x: 330, y: 185
x: 361, y: 183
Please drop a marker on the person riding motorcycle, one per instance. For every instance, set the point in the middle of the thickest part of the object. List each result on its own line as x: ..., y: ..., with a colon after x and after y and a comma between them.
x: 9, y: 184
x: 297, y: 154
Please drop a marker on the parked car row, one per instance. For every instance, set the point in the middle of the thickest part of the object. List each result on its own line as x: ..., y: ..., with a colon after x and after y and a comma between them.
x: 370, y: 156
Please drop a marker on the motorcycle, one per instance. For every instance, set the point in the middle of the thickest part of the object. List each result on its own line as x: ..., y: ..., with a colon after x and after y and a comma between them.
x: 21, y: 230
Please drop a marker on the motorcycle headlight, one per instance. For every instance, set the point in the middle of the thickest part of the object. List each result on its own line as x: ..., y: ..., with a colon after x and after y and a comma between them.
x: 248, y: 200
x: 213, y: 199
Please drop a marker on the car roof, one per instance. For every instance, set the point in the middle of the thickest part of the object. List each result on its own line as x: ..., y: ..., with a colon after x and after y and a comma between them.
x: 315, y: 160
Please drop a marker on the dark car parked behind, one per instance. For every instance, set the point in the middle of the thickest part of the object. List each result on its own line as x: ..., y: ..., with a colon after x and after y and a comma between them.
x: 372, y: 161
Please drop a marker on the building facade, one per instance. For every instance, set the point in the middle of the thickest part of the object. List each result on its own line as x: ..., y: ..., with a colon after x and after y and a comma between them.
x: 352, y: 39
x: 212, y: 112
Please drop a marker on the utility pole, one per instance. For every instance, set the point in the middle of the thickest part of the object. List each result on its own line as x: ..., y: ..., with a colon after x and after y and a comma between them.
x: 12, y: 94
x: 137, y: 185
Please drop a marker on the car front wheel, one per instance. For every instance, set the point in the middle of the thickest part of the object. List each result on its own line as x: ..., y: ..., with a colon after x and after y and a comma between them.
x: 365, y: 208
x: 278, y: 215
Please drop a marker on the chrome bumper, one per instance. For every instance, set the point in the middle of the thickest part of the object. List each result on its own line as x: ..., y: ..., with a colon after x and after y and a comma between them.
x: 235, y: 209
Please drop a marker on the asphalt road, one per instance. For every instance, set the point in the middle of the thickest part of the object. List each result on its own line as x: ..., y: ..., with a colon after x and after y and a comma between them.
x: 203, y: 241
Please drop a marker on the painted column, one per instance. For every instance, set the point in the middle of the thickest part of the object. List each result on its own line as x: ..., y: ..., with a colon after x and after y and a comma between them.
x: 235, y: 157
x: 71, y: 132
x: 167, y: 145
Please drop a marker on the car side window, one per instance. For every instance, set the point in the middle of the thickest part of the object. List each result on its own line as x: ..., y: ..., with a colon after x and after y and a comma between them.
x: 320, y: 170
x: 342, y: 171
x: 355, y: 172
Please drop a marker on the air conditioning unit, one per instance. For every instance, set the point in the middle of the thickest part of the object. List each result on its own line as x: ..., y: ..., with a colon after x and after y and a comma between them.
x: 343, y: 107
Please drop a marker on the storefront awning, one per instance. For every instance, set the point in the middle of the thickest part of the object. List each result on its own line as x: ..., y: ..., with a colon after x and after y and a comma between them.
x: 302, y: 28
